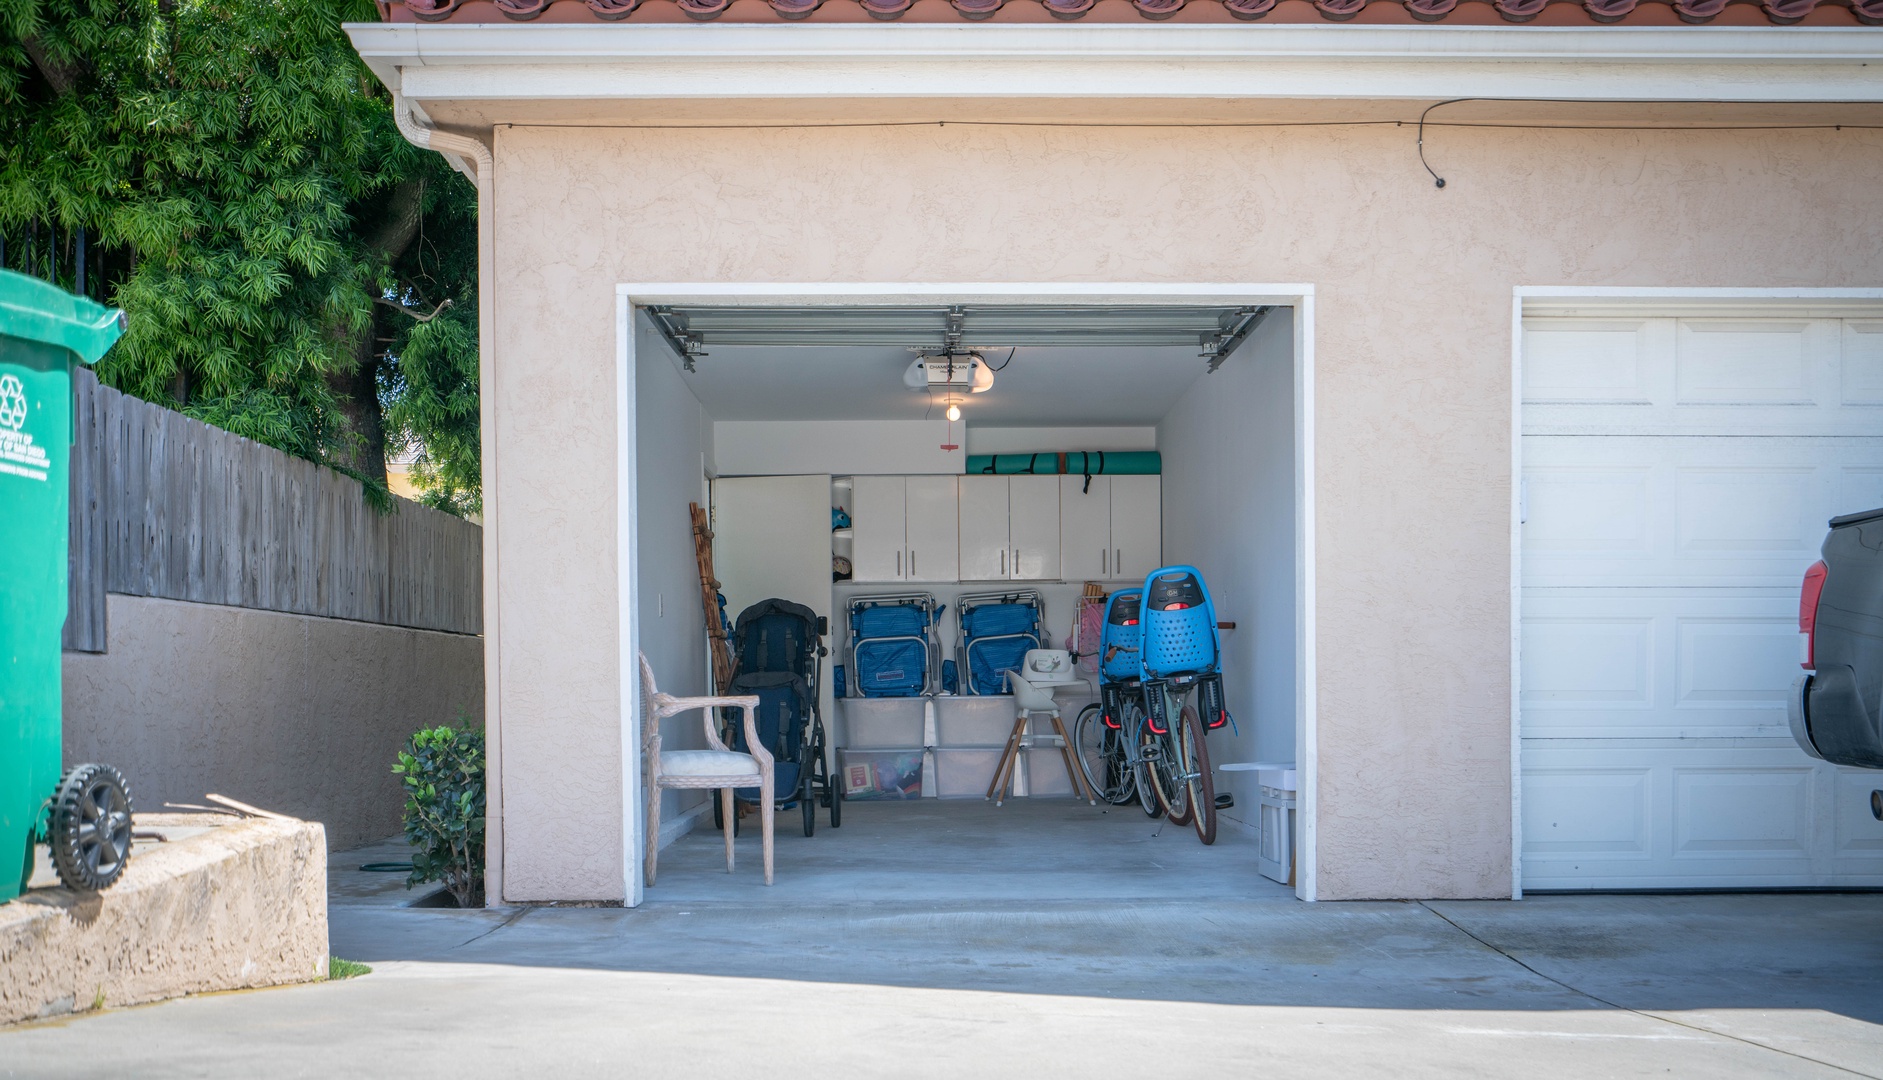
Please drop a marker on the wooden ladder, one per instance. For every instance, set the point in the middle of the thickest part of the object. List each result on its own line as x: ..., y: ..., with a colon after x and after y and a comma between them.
x: 709, y: 601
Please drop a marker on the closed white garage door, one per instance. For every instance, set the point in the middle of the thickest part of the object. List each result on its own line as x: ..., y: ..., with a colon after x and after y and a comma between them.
x: 1677, y: 477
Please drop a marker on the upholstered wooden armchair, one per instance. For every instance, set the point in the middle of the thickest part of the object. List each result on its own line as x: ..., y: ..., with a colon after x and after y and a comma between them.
x: 720, y: 767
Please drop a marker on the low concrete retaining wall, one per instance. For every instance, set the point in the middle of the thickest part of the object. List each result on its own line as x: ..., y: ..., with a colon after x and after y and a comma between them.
x: 299, y: 714
x: 236, y: 904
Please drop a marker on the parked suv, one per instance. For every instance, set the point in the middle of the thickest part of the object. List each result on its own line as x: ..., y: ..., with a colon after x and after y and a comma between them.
x: 1836, y: 705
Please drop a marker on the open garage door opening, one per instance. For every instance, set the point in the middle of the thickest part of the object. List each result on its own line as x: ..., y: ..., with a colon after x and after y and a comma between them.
x: 992, y: 470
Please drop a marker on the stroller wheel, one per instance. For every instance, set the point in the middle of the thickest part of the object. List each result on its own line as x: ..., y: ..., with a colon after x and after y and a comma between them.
x: 809, y: 803
x: 836, y: 803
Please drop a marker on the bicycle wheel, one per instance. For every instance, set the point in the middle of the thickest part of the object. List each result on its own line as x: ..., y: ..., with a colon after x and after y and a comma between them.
x: 1196, y: 767
x: 1130, y: 733
x: 1090, y: 750
x: 1166, y: 769
x: 1118, y: 763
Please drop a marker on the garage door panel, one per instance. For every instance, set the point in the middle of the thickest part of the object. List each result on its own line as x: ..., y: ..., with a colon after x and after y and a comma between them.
x: 1743, y: 663
x: 1712, y: 815
x: 1733, y: 362
x: 1657, y: 663
x: 1859, y: 487
x: 1861, y: 365
x: 1677, y: 477
x: 1588, y: 362
x: 1742, y: 813
x: 1725, y: 377
x: 1859, y: 833
x: 1755, y: 510
x: 1587, y: 811
x: 1647, y: 511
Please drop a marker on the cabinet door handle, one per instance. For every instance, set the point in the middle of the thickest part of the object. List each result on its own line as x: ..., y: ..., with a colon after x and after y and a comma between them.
x: 1003, y: 562
x: 1104, y: 561
x: 911, y: 562
x: 1016, y: 562
x: 1118, y: 560
x: 898, y: 564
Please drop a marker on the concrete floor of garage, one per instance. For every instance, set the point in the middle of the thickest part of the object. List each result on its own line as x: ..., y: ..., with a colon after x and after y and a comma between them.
x: 1041, y: 938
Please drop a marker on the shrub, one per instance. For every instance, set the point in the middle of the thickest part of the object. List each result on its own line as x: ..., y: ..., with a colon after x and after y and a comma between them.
x: 443, y: 772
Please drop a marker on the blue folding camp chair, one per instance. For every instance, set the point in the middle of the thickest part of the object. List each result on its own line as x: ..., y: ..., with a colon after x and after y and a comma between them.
x: 993, y: 633
x: 894, y: 648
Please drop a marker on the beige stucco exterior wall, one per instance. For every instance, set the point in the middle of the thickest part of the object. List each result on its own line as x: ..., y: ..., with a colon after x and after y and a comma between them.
x: 291, y: 713
x: 1413, y: 356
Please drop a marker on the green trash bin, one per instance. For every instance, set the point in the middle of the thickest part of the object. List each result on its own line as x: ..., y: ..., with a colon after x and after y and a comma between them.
x: 44, y: 330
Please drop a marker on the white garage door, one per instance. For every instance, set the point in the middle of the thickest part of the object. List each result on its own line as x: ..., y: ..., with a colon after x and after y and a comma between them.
x: 1677, y: 477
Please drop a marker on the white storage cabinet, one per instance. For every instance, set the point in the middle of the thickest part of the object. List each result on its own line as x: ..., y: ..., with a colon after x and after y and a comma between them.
x: 1010, y: 528
x: 1111, y: 530
x: 904, y: 529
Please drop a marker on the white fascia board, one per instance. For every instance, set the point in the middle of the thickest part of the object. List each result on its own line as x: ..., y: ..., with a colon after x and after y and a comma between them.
x: 448, y: 61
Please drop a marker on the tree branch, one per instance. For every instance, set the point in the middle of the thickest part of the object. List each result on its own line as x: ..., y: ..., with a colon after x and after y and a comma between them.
x: 63, y: 76
x: 407, y: 312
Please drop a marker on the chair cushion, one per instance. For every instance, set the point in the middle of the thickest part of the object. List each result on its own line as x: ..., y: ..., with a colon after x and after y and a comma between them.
x: 707, y: 763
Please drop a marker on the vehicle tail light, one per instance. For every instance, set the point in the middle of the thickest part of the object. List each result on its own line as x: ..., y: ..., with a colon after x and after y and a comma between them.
x: 1808, y: 611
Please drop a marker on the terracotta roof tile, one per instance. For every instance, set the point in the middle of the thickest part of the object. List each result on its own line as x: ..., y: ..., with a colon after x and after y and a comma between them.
x: 1479, y: 12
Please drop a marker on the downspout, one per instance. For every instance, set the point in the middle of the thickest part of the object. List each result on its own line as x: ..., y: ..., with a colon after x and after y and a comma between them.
x: 461, y: 150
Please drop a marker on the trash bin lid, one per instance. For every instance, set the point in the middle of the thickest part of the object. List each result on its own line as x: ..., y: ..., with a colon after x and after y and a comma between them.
x: 41, y: 311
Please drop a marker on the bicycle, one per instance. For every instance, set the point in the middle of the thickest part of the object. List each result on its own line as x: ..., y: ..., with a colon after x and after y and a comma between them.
x: 1182, y: 778
x: 1179, y: 660
x: 1107, y: 745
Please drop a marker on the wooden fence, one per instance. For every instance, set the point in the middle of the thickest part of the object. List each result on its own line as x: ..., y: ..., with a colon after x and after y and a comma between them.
x: 166, y: 506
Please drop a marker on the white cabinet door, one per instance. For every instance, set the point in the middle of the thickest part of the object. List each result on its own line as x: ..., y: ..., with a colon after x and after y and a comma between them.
x: 1085, y: 528
x: 984, y: 528
x: 1137, y: 526
x: 932, y: 515
x: 1032, y: 528
x: 880, y: 547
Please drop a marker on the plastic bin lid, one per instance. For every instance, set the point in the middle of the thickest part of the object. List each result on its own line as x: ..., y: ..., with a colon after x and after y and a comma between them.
x: 41, y: 311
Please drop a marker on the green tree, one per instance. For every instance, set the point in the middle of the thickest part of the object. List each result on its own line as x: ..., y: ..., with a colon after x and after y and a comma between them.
x: 294, y: 270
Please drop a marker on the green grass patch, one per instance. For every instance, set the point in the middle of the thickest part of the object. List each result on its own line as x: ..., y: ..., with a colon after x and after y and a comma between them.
x: 345, y: 969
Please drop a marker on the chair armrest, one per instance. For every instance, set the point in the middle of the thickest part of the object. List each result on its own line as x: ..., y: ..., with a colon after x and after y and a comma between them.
x: 666, y: 705
x: 752, y: 742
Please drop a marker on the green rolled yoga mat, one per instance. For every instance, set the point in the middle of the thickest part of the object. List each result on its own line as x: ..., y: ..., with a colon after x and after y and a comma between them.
x: 1079, y: 462
x: 1013, y: 464
x: 1114, y: 463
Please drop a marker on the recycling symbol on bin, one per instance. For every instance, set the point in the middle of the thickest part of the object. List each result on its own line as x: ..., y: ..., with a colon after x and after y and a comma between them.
x: 12, y: 402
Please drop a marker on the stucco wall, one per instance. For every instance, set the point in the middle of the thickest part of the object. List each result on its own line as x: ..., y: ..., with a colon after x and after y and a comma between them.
x: 1413, y: 352
x: 291, y: 713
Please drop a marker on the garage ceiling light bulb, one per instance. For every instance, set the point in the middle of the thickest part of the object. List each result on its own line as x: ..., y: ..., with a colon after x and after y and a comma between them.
x: 954, y: 412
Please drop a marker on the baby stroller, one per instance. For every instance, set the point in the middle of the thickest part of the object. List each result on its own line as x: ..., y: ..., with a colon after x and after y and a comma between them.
x: 894, y: 650
x: 994, y: 633
x: 778, y: 654
x: 1179, y: 657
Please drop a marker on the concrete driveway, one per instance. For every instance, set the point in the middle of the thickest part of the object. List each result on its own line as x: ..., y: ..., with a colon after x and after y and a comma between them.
x: 1038, y: 940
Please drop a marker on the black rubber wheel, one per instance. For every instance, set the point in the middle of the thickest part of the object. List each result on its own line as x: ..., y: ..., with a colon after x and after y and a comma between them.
x: 1166, y: 769
x: 807, y: 798
x: 836, y: 802
x: 91, y: 827
x: 1132, y: 719
x: 1196, y: 762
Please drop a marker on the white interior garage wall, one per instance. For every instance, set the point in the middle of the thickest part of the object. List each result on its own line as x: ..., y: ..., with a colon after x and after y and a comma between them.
x: 673, y: 453
x: 1229, y: 495
x: 833, y: 447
